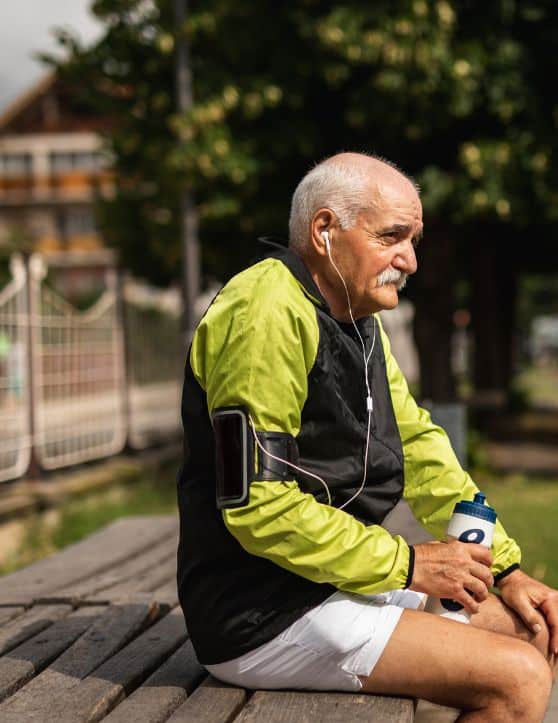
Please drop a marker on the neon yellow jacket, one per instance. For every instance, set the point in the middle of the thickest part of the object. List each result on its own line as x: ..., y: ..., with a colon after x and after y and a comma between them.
x: 256, y: 346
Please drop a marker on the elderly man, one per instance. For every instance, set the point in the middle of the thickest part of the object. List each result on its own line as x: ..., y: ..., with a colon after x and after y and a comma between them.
x: 298, y: 584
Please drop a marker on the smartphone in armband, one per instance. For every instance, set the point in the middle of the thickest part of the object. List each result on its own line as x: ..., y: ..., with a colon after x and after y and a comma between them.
x: 234, y: 456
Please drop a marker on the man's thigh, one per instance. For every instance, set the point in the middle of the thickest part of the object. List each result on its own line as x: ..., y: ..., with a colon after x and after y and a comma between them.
x: 456, y: 665
x: 495, y: 615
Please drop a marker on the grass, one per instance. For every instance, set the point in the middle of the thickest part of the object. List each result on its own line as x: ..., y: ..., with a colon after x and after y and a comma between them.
x: 528, y: 508
x: 75, y: 519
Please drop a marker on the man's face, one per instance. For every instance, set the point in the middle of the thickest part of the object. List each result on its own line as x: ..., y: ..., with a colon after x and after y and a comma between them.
x: 378, y: 253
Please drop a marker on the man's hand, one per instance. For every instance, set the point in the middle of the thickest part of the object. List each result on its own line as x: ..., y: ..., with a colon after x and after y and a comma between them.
x: 456, y: 570
x: 525, y: 595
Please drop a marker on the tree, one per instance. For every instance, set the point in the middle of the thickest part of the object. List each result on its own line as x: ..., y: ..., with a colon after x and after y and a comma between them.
x: 451, y: 90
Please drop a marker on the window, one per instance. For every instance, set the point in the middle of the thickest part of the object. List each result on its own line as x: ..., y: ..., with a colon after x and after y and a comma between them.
x: 64, y: 162
x: 15, y: 164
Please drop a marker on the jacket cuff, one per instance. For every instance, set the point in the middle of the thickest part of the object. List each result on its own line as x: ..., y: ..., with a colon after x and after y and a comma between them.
x: 506, y: 572
x: 409, y: 579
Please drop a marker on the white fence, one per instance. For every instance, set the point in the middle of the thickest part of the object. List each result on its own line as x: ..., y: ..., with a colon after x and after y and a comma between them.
x: 15, y: 429
x: 77, y: 385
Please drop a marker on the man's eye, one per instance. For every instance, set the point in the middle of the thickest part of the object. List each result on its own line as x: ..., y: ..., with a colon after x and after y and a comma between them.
x: 415, y: 242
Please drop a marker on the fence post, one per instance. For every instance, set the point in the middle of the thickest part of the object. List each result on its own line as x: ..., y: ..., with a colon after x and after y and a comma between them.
x: 34, y: 273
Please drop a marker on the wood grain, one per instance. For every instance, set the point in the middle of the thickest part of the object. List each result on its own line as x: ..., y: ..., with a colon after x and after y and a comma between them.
x: 92, y: 698
x: 164, y: 691
x: 30, y: 623
x: 212, y: 702
x: 40, y: 698
x: 120, y: 541
x: 301, y: 707
x: 22, y: 663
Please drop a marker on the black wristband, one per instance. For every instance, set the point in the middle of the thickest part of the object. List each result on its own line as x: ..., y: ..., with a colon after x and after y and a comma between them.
x: 409, y: 579
x: 506, y: 572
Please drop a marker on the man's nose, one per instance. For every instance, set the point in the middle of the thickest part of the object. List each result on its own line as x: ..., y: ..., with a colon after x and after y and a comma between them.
x: 406, y: 258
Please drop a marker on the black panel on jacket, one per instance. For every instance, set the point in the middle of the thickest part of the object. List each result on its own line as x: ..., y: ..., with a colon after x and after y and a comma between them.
x: 233, y: 601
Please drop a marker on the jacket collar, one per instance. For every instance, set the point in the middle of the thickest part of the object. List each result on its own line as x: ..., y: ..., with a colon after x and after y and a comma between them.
x: 277, y: 249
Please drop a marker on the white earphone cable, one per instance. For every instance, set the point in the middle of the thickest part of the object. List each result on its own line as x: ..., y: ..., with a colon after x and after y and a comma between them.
x: 369, y: 402
x: 290, y: 464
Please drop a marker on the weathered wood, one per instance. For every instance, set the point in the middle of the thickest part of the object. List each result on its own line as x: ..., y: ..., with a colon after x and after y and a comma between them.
x: 164, y: 691
x: 9, y: 613
x: 22, y: 663
x: 212, y: 702
x: 30, y: 623
x: 144, y: 582
x: 96, y: 554
x: 92, y: 698
x: 121, y: 574
x: 38, y: 700
x: 294, y: 707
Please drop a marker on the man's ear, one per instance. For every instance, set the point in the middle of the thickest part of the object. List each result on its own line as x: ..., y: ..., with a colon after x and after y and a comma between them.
x: 322, y: 220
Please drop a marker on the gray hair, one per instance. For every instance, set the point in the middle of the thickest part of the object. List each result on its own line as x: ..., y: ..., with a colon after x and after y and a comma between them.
x: 343, y: 188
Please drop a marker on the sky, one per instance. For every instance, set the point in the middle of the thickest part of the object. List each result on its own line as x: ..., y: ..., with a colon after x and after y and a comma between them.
x: 25, y: 28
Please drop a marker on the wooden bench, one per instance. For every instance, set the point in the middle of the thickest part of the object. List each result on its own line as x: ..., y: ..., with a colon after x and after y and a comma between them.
x: 95, y: 633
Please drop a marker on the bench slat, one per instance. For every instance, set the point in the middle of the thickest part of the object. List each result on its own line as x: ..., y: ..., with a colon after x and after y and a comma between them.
x: 145, y: 582
x: 120, y: 541
x: 22, y: 663
x: 164, y: 691
x: 212, y: 702
x: 120, y: 574
x: 92, y: 698
x: 30, y: 623
x: 111, y: 630
x: 9, y: 613
x: 294, y: 707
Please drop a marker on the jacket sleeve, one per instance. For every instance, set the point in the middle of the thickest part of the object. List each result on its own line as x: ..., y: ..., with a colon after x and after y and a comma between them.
x: 434, y: 479
x: 255, y: 347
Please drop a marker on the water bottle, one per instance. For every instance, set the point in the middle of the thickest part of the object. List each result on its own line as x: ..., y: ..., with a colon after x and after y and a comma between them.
x: 471, y: 522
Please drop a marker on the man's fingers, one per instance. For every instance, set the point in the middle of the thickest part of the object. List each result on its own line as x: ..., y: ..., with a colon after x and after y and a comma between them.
x: 479, y: 553
x: 524, y: 608
x: 476, y: 588
x: 549, y: 608
x: 468, y: 602
x: 483, y: 573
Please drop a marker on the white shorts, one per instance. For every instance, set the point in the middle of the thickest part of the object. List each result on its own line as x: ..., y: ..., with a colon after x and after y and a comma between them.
x: 325, y: 649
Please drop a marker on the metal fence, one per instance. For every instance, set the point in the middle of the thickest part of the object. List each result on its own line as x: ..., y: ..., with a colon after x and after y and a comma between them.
x: 77, y: 385
x: 15, y: 429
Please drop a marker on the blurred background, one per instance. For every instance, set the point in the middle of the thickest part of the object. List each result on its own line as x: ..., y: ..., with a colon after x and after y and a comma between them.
x: 145, y: 145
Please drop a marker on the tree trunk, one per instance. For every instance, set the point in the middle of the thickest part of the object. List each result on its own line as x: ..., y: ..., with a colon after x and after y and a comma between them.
x: 493, y: 303
x: 433, y: 295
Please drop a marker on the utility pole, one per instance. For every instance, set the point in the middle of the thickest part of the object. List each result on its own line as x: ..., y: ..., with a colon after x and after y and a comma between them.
x: 189, y: 219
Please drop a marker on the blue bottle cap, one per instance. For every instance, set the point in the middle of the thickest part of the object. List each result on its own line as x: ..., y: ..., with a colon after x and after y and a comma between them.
x: 476, y: 508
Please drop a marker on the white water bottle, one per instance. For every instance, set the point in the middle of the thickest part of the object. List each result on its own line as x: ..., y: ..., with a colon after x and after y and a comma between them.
x: 471, y: 522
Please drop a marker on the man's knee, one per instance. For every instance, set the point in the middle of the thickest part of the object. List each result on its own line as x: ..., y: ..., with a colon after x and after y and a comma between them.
x: 526, y: 682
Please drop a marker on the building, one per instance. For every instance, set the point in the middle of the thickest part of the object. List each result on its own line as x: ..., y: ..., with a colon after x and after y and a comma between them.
x: 52, y: 168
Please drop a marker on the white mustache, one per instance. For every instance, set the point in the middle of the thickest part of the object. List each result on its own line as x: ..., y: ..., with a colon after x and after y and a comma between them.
x: 392, y: 276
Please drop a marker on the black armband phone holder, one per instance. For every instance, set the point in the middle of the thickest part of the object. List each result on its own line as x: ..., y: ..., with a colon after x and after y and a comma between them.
x: 235, y: 452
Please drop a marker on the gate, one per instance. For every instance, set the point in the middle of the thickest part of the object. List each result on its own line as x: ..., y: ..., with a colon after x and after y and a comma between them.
x: 15, y: 431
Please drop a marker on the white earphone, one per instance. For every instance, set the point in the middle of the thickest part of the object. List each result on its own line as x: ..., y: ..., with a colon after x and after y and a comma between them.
x: 325, y: 237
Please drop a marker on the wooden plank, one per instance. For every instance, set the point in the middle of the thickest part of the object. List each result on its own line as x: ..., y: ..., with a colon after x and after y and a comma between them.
x: 112, y: 629
x: 30, y: 623
x: 212, y: 702
x: 92, y: 698
x: 127, y: 571
x: 22, y: 663
x: 9, y: 613
x: 164, y: 691
x: 295, y: 707
x: 119, y: 541
x: 145, y: 582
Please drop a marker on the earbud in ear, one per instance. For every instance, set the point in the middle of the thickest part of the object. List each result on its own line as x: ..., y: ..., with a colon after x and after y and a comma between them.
x: 325, y: 237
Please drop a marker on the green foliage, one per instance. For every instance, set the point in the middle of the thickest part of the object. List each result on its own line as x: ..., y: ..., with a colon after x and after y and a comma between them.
x: 150, y: 494
x: 456, y: 91
x: 528, y: 509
